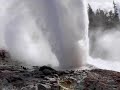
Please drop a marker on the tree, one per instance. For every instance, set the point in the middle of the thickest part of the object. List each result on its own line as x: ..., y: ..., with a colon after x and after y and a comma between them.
x: 105, y: 19
x: 91, y: 16
x: 116, y: 14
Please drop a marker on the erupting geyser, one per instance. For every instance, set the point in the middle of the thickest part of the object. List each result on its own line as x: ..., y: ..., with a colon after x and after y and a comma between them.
x: 41, y: 32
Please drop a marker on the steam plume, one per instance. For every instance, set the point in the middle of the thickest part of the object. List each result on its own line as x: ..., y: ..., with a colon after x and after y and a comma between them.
x: 41, y: 32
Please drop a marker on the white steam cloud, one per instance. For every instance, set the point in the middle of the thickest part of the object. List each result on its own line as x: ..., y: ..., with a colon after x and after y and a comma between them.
x: 106, y: 52
x: 41, y: 32
x: 55, y: 32
x: 110, y: 42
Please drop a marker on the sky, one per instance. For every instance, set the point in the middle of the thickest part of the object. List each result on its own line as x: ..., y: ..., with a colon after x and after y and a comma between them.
x: 104, y: 4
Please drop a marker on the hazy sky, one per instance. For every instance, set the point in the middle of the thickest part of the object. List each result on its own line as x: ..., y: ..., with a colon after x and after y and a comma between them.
x: 104, y: 4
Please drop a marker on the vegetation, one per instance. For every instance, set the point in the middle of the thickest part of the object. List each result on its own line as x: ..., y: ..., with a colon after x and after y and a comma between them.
x: 105, y: 19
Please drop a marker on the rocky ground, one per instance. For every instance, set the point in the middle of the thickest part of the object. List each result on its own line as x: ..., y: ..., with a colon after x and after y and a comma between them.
x: 16, y: 77
x: 46, y: 78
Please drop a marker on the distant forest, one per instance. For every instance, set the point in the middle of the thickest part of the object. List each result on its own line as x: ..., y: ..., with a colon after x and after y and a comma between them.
x: 103, y: 19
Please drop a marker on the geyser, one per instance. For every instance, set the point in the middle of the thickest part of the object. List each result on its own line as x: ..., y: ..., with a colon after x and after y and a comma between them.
x: 41, y: 32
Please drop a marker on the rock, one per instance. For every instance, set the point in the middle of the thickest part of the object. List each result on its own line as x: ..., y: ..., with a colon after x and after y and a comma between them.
x: 1, y: 86
x: 55, y: 87
x: 46, y: 67
x: 4, y: 54
x: 14, y: 79
x: 44, y: 87
x: 46, y: 78
x: 37, y: 74
x: 29, y: 88
x: 47, y: 70
x: 52, y: 80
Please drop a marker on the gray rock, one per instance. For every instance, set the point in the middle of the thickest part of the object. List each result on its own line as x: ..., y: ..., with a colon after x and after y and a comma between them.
x: 29, y: 88
x: 44, y: 87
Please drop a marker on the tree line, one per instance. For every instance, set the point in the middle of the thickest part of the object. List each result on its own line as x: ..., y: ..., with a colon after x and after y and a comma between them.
x: 105, y: 19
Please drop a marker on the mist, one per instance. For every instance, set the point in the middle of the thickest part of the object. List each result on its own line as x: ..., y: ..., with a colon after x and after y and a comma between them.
x: 47, y: 32
x: 107, y: 44
x: 55, y: 33
x: 105, y: 52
